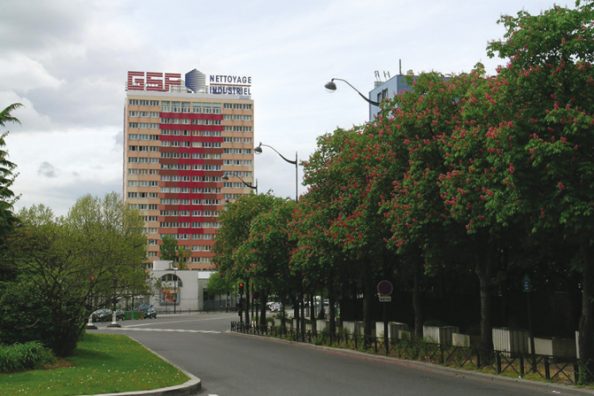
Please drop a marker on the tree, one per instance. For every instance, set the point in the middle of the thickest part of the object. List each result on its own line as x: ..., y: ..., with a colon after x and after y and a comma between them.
x: 7, y: 196
x: 66, y: 267
x: 233, y: 233
x: 266, y: 252
x: 318, y: 256
x: 550, y: 81
x: 414, y: 126
x: 218, y: 285
x: 168, y: 248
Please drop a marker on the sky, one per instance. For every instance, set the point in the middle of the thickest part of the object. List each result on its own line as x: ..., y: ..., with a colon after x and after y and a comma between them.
x: 67, y: 63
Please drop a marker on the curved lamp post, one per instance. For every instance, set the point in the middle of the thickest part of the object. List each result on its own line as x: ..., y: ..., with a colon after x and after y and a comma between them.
x: 331, y: 86
x: 295, y: 162
x: 249, y: 185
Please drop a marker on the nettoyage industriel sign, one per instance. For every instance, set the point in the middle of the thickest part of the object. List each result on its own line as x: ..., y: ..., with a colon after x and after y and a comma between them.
x: 220, y: 84
x: 230, y: 85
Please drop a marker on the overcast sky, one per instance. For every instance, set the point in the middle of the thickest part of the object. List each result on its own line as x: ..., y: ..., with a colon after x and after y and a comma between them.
x: 67, y: 62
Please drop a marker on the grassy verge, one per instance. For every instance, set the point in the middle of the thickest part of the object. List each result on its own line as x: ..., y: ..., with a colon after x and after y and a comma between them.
x: 102, y: 364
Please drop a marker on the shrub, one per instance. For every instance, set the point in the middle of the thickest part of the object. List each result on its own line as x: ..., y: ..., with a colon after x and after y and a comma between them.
x: 28, y: 314
x: 27, y: 356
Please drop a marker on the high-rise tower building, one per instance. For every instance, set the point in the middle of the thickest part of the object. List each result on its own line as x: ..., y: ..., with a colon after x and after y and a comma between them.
x: 180, y: 139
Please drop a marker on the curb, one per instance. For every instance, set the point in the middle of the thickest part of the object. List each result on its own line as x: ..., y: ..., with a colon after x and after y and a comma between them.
x: 189, y: 388
x: 429, y: 366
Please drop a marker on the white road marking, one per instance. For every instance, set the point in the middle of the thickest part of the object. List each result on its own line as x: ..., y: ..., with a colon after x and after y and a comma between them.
x: 165, y: 330
x: 177, y: 321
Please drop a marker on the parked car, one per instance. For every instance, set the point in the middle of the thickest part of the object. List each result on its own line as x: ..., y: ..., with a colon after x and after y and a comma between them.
x: 273, y: 306
x: 120, y: 314
x: 148, y: 311
x: 101, y: 315
x: 106, y: 314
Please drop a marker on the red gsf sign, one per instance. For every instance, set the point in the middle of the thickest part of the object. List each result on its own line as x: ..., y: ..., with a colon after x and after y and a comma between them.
x: 152, y: 81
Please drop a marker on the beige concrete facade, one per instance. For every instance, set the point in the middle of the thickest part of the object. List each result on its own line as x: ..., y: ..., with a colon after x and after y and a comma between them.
x: 177, y: 148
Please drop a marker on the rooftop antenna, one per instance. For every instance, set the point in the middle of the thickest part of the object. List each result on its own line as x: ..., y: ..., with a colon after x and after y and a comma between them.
x: 377, y: 75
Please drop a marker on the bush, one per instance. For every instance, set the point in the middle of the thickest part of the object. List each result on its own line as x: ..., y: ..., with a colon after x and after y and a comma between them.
x: 27, y: 356
x: 28, y: 314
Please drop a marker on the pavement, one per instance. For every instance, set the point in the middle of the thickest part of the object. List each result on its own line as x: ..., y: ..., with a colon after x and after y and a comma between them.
x: 227, y: 376
x: 189, y: 388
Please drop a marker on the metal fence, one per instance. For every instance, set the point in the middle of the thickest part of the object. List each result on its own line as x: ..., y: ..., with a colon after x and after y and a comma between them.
x: 549, y: 368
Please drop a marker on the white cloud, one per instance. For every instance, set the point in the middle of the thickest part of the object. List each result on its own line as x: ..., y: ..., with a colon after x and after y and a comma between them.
x: 18, y: 71
x: 66, y: 61
x: 83, y: 161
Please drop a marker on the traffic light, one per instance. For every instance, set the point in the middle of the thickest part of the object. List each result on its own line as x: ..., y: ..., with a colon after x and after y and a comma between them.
x: 241, y: 287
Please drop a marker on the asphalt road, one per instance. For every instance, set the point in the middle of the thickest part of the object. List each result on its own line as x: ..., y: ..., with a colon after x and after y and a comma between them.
x: 233, y: 364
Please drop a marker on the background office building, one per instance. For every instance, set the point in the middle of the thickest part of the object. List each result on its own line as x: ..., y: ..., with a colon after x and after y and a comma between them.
x: 181, y: 136
x: 386, y: 89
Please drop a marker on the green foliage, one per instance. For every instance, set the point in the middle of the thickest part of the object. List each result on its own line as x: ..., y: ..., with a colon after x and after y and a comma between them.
x: 31, y: 313
x: 219, y: 285
x: 234, y: 231
x: 27, y: 356
x: 168, y: 248
x: 7, y: 196
x: 267, y: 251
x: 101, y: 364
x: 67, y: 267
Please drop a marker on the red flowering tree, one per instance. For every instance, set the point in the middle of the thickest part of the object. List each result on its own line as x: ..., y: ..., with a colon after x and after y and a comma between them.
x: 419, y: 221
x: 550, y: 92
x: 319, y: 255
x: 477, y: 186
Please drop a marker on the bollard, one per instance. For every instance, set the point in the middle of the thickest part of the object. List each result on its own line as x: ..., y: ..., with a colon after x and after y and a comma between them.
x: 522, y: 367
x: 547, y: 368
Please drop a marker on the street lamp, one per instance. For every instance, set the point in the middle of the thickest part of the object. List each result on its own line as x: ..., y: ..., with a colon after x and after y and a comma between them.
x: 295, y: 162
x: 331, y: 86
x: 252, y: 186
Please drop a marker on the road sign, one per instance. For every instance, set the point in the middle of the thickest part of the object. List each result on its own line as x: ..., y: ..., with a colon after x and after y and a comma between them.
x: 385, y: 287
x: 384, y: 298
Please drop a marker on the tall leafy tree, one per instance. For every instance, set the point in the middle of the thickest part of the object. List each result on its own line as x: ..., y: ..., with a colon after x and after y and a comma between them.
x: 66, y: 267
x: 233, y: 233
x: 7, y: 177
x: 267, y: 251
x: 319, y: 256
x: 550, y: 80
x: 421, y: 120
x: 168, y: 248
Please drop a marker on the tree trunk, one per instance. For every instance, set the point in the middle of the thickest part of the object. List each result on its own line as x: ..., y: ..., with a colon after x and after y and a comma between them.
x: 302, y: 315
x: 312, y: 313
x: 416, y: 301
x: 322, y: 313
x: 283, y: 328
x: 586, y: 325
x: 368, y: 297
x: 247, y: 303
x: 263, y: 299
x: 296, y: 319
x: 483, y: 271
x: 332, y: 313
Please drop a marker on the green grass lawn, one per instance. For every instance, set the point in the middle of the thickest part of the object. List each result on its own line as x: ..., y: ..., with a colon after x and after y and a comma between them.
x: 102, y: 363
